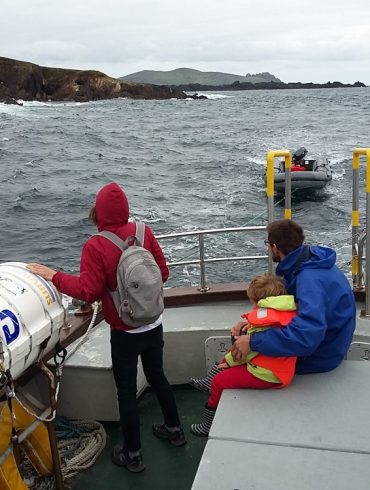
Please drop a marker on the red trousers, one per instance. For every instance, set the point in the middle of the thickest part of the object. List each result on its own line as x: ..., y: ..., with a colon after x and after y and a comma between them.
x: 234, y: 378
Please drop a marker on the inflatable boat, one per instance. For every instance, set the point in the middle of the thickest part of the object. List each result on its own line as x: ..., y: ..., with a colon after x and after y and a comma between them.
x: 306, y: 173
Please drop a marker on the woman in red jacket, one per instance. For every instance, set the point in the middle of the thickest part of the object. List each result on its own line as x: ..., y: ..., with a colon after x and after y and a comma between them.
x: 99, y: 260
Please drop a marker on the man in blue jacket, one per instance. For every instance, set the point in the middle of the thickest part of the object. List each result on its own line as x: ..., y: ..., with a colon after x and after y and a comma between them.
x: 322, y: 331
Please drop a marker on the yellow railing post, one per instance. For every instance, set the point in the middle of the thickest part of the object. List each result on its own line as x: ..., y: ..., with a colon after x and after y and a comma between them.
x: 270, y: 188
x: 356, y: 272
x: 270, y: 181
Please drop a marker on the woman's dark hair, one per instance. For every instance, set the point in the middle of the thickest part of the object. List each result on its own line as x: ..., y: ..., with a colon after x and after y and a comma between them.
x: 92, y: 215
x: 286, y: 234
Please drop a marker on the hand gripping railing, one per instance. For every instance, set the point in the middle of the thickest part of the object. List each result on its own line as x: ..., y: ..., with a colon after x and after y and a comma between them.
x: 356, y: 239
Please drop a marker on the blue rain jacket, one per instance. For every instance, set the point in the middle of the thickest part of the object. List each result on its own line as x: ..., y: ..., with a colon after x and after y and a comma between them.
x: 322, y: 331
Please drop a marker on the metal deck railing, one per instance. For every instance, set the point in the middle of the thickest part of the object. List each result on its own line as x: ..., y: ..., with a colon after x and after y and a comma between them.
x: 360, y: 271
x: 201, y: 259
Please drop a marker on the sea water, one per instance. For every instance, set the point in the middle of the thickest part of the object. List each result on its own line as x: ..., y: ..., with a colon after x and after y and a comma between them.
x: 184, y: 165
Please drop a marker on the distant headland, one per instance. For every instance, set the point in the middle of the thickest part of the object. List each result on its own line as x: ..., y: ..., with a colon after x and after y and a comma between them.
x: 28, y: 81
x: 21, y: 80
x: 188, y: 79
x: 186, y: 76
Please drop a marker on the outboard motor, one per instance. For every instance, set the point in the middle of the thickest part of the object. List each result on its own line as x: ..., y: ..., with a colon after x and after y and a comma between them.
x: 31, y: 311
x: 299, y: 155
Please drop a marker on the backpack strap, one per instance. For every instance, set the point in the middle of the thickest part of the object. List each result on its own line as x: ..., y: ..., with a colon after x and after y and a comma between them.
x: 122, y: 245
x: 139, y: 234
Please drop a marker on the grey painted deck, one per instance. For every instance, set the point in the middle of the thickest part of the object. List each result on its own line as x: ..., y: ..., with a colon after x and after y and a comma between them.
x: 322, y: 411
x: 230, y: 465
x: 314, y: 434
x: 186, y: 328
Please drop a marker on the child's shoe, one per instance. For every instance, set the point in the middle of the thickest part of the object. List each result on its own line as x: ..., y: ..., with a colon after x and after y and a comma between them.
x: 202, y: 429
x: 204, y: 384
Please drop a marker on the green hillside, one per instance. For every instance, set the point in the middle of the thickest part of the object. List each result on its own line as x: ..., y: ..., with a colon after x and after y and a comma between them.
x: 183, y: 76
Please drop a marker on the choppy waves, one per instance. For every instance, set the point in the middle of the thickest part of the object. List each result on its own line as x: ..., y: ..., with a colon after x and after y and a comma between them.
x: 183, y: 164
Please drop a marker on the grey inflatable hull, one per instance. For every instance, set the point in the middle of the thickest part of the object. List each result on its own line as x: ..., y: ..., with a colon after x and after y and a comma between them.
x: 303, y: 180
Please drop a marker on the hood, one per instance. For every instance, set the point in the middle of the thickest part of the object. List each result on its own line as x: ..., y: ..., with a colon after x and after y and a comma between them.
x: 305, y: 257
x: 284, y: 302
x: 112, y: 207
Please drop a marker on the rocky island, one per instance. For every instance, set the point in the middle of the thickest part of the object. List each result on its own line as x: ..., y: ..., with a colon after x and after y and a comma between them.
x: 28, y: 81
x: 264, y: 86
x: 191, y: 80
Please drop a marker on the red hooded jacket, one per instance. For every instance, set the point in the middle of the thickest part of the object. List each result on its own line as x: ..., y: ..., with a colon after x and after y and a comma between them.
x: 99, y: 257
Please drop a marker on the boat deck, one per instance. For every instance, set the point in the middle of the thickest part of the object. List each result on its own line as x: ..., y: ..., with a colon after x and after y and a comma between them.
x: 167, y: 466
x: 314, y: 434
x: 314, y: 418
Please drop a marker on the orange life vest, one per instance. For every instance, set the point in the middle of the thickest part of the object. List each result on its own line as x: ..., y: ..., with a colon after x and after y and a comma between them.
x: 282, y: 367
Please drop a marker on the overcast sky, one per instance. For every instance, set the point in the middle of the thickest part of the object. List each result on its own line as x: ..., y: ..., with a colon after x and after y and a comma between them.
x: 296, y: 40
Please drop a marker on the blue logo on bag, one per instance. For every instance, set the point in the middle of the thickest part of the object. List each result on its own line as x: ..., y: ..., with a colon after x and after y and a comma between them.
x: 10, y: 325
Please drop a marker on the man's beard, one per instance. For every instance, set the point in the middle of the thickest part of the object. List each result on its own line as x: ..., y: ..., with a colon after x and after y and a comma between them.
x: 275, y: 258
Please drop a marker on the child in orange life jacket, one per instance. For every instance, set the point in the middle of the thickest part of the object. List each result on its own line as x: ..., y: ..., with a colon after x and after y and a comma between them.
x: 273, y: 307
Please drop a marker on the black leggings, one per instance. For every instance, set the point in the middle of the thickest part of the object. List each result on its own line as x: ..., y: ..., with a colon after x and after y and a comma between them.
x: 126, y: 349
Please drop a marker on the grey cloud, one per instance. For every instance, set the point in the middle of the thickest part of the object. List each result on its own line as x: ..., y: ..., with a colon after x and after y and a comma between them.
x: 120, y: 36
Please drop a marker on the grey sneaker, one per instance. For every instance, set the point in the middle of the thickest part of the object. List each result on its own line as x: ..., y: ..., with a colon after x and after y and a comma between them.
x: 177, y: 437
x: 121, y: 457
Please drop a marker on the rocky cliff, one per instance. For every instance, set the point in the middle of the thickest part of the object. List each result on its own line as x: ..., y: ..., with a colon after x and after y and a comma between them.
x: 27, y: 81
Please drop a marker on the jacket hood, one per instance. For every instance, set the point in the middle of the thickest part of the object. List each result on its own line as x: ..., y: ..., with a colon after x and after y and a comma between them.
x: 284, y: 302
x: 305, y: 257
x: 112, y: 209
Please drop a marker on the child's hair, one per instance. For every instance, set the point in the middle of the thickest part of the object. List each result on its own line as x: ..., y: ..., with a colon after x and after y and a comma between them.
x: 265, y: 285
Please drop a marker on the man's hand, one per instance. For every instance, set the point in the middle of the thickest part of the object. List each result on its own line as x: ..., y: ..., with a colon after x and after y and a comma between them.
x: 42, y: 271
x: 241, y: 348
x: 239, y: 327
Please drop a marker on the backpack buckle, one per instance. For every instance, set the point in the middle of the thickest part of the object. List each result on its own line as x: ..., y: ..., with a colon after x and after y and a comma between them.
x: 126, y: 307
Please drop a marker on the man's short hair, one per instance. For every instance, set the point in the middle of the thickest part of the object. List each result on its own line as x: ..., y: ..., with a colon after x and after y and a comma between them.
x: 286, y: 234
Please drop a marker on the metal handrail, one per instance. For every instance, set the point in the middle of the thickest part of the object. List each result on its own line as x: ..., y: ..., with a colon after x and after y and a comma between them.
x: 359, y: 247
x: 270, y: 191
x: 270, y: 183
x: 356, y: 273
x: 202, y: 260
x: 270, y: 188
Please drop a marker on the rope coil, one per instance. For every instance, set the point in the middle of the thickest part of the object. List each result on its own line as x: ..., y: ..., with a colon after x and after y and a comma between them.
x: 80, y: 443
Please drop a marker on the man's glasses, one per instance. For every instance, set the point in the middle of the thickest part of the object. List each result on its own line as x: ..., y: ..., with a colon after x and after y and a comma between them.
x: 266, y: 242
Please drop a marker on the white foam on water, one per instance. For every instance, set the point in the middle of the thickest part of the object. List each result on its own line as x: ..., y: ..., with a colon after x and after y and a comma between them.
x: 210, y: 95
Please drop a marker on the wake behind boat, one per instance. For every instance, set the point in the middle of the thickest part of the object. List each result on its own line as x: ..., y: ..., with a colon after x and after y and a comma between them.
x: 308, y: 174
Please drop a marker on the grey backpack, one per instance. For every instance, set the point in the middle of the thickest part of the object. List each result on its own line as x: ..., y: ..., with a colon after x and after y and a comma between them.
x: 139, y: 294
